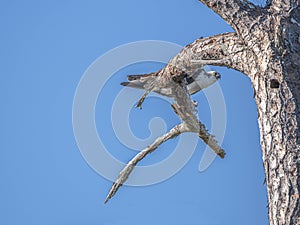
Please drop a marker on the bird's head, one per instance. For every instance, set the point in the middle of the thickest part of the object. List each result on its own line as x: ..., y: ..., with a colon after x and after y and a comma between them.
x: 201, y: 80
x: 207, y: 78
x: 214, y: 74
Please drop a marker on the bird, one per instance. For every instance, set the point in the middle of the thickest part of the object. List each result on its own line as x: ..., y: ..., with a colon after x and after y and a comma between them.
x: 194, y: 83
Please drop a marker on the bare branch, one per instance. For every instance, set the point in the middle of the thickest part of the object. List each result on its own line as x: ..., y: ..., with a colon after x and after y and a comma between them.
x: 215, y: 62
x: 185, y: 108
x: 177, y: 130
x: 124, y: 174
x: 236, y: 13
x: 221, y: 50
x: 210, y: 141
x: 202, y: 133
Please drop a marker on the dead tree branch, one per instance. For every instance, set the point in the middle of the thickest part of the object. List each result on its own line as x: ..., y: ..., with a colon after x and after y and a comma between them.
x: 220, y: 50
x: 203, y: 133
x: 210, y: 141
x: 177, y: 130
x: 124, y: 174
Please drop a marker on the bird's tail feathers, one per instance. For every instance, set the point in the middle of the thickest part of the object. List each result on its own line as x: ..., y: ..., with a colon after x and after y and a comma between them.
x: 140, y: 81
x: 125, y: 83
x: 138, y: 76
x: 133, y: 84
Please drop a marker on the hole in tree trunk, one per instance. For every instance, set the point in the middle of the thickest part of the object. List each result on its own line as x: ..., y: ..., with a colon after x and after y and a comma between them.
x: 274, y: 83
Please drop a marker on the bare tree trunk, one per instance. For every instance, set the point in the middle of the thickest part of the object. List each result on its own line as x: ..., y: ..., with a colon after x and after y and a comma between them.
x: 272, y: 61
x: 266, y: 47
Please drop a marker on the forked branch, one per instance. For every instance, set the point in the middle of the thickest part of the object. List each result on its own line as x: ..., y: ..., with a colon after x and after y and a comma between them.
x: 177, y: 130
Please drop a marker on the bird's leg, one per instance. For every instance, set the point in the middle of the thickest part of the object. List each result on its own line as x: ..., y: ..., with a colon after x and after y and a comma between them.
x: 175, y: 108
x: 148, y: 90
x: 142, y: 99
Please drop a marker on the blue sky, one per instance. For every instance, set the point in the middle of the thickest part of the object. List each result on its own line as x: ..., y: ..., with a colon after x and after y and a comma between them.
x: 46, y: 46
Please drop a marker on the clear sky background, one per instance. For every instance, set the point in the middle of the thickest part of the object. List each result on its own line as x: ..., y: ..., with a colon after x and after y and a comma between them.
x: 45, y: 47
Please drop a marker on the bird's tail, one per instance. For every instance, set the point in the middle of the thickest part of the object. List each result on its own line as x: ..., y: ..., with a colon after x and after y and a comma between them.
x: 141, y: 81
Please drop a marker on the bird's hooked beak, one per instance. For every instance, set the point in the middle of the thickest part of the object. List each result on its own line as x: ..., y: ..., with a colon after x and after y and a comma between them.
x: 214, y: 74
x: 217, y: 75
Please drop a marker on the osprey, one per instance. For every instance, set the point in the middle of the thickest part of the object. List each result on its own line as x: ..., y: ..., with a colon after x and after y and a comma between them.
x: 194, y: 83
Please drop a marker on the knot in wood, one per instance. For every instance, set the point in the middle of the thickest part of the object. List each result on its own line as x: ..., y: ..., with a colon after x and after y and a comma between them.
x: 274, y: 83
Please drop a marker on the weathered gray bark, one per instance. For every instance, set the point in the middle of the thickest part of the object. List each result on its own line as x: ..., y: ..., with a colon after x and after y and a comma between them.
x: 266, y: 47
